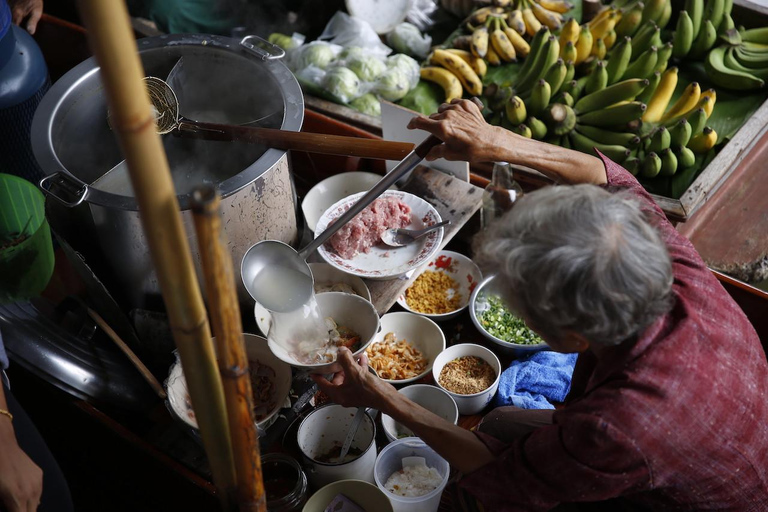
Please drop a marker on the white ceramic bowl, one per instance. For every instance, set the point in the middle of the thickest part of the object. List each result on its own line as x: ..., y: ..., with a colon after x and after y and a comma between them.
x: 322, y: 273
x: 257, y: 349
x: 476, y: 306
x: 327, y: 427
x: 384, y: 262
x: 348, y: 310
x: 364, y: 494
x: 421, y: 332
x: 469, y: 404
x: 462, y: 269
x: 333, y: 189
x: 432, y: 398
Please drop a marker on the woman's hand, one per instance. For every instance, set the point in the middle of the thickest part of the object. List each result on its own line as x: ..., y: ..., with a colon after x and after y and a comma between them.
x: 23, y: 9
x: 465, y: 134
x: 21, y: 481
x: 353, y: 385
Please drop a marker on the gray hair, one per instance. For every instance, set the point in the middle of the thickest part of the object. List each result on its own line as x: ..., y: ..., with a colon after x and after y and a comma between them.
x: 582, y: 259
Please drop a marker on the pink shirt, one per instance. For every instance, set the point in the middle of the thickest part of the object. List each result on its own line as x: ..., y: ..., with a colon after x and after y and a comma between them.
x: 677, y: 420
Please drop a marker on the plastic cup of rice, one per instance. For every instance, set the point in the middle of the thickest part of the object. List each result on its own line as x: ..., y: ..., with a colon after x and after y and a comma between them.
x: 423, y: 486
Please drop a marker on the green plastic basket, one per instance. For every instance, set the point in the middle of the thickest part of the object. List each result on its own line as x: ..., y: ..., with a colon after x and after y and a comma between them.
x: 26, y: 250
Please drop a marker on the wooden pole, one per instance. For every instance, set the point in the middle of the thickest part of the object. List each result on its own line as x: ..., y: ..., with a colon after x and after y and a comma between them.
x: 230, y: 348
x: 113, y: 44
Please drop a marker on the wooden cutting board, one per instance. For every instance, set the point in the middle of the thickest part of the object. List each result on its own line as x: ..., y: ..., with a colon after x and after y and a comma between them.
x: 453, y: 199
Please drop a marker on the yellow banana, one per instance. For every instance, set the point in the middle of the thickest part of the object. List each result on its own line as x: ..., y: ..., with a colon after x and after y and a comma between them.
x: 686, y: 102
x: 661, y: 96
x: 478, y: 65
x: 492, y: 57
x: 707, y: 105
x: 461, y: 69
x: 479, y: 43
x: 583, y: 45
x: 560, y: 6
x: 516, y: 22
x: 704, y: 141
x: 600, y: 16
x: 501, y: 44
x: 445, y: 79
x: 532, y: 24
x: 522, y: 48
x: 601, y: 28
x: 550, y: 19
x: 570, y: 33
x: 610, y: 39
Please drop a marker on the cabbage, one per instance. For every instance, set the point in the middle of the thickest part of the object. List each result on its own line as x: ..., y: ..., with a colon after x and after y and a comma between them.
x: 342, y: 84
x: 367, y: 104
x: 367, y: 68
x: 406, y: 38
x: 283, y: 41
x: 406, y: 65
x: 317, y: 54
x: 353, y: 52
x: 393, y: 85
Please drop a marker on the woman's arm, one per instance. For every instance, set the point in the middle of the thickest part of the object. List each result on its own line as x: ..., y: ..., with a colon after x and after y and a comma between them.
x: 468, y: 137
x: 355, y: 386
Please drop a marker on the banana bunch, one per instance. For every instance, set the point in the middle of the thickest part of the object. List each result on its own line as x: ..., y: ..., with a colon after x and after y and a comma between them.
x: 699, y: 25
x: 742, y: 66
x: 526, y: 17
x: 455, y: 71
x: 624, y: 18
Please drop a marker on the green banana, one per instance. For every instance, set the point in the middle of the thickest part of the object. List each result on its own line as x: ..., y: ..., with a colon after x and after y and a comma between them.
x: 565, y: 142
x: 726, y: 25
x: 660, y: 140
x: 756, y: 35
x: 540, y: 95
x: 651, y: 165
x: 668, y: 163
x: 713, y: 12
x: 685, y: 157
x: 632, y: 164
x: 662, y: 58
x: 538, y: 128
x: 544, y: 60
x: 727, y: 7
x: 644, y: 65
x: 697, y: 119
x: 731, y: 62
x: 537, y: 46
x: 731, y: 36
x: 586, y: 145
x: 614, y: 116
x: 666, y: 15
x: 560, y: 118
x: 653, y: 10
x: 750, y: 59
x: 642, y: 41
x: 572, y: 88
x: 695, y: 9
x: 610, y: 137
x: 705, y: 40
x: 598, y: 79
x: 647, y: 93
x: 523, y: 130
x: 680, y: 133
x: 626, y: 90
x: 630, y: 20
x: 728, y: 78
x: 570, y: 72
x: 555, y: 76
x: 564, y: 98
x: 683, y: 37
x: 515, y: 110
x: 619, y: 60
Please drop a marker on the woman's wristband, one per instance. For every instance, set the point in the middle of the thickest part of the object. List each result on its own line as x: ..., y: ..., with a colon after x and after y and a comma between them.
x: 3, y: 412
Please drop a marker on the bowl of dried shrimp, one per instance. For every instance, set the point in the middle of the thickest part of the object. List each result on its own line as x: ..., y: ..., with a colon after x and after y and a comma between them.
x: 443, y: 287
x: 405, y: 348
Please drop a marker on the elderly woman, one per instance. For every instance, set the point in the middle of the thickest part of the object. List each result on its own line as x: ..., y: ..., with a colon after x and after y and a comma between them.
x: 667, y: 408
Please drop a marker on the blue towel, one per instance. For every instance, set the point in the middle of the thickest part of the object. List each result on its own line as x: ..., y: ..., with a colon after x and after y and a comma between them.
x: 535, y: 381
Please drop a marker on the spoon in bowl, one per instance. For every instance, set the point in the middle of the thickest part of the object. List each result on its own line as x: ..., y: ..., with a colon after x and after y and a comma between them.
x: 399, y: 237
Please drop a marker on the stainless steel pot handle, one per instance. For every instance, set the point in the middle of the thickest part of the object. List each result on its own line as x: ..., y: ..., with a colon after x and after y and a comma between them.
x: 73, y: 188
x: 274, y: 52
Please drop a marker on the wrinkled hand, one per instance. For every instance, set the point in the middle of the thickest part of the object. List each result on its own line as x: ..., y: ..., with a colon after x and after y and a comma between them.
x: 21, y: 481
x: 461, y: 126
x: 23, y: 9
x: 353, y: 385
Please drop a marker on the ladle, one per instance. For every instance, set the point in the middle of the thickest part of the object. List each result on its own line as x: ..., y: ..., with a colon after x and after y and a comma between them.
x: 169, y: 119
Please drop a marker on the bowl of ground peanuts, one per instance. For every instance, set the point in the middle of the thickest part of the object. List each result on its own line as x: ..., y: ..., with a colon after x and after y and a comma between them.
x: 443, y: 288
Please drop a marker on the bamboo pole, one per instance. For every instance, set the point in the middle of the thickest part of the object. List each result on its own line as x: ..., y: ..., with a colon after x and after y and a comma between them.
x: 113, y: 44
x: 230, y: 348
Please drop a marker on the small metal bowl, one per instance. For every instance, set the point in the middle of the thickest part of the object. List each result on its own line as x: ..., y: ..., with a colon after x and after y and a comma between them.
x: 486, y: 287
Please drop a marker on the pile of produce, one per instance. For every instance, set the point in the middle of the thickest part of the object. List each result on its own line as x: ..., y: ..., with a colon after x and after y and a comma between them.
x: 742, y: 63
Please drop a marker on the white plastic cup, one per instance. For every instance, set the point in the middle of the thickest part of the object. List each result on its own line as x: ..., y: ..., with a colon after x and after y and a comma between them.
x: 391, y: 459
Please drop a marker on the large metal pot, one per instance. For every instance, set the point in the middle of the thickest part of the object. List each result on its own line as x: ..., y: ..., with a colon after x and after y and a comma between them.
x: 227, y: 80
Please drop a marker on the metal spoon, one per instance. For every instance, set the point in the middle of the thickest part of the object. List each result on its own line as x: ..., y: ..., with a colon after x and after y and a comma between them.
x: 351, y: 433
x: 399, y: 237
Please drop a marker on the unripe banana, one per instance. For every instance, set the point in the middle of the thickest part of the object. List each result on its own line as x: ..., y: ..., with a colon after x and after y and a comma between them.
x: 686, y: 102
x: 568, y: 52
x: 683, y: 37
x: 501, y: 43
x: 632, y: 164
x: 653, y: 83
x: 610, y: 137
x: 540, y: 95
x: 695, y: 9
x: 574, y: 88
x: 560, y: 118
x: 570, y: 72
x: 625, y: 90
x: 523, y: 130
x: 555, y: 76
x: 680, y: 133
x: 479, y: 44
x: 445, y: 79
x: 564, y: 98
x: 666, y: 15
x: 704, y: 141
x: 583, y: 45
x: 660, y: 100
x: 653, y: 10
x: 645, y: 38
x: 668, y: 163
x: 537, y: 46
x: 515, y: 21
x: 618, y: 61
x: 461, y: 69
x: 610, y: 39
x: 705, y: 40
x: 726, y: 25
x: 665, y: 52
x: 598, y: 49
x: 713, y: 12
x: 586, y: 145
x: 723, y: 76
x: 697, y: 119
x: 544, y: 61
x: 643, y: 65
x: 660, y: 140
x: 685, y: 157
x: 538, y: 128
x: 597, y: 80
x: 618, y: 115
x: 515, y: 110
x: 651, y: 165
x: 630, y: 21
x: 756, y: 35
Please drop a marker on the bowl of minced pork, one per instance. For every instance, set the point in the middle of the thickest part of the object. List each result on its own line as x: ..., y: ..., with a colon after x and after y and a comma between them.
x: 443, y: 288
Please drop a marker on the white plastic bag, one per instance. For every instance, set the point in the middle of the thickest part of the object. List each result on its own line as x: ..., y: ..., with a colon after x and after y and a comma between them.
x: 347, y: 31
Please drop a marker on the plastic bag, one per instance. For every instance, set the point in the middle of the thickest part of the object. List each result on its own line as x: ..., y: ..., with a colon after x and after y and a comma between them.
x: 421, y: 13
x: 401, y: 76
x: 408, y: 39
x: 317, y: 53
x: 347, y: 31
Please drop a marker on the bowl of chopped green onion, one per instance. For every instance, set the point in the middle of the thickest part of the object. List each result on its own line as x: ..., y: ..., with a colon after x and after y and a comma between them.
x: 497, y: 323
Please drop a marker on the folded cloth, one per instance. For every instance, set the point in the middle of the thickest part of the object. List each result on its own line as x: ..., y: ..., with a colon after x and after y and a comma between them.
x: 535, y: 381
